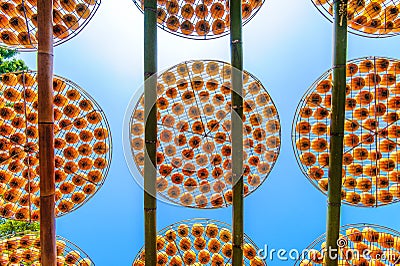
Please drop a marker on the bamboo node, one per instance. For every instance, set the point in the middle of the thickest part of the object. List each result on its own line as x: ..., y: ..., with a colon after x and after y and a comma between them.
x: 236, y: 41
x: 148, y: 74
x: 334, y: 204
x: 44, y: 194
x: 46, y: 53
x: 337, y: 134
x: 339, y: 66
x: 150, y: 8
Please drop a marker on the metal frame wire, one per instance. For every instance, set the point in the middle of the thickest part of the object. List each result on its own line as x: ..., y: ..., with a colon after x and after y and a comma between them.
x: 204, y: 222
x: 352, y: 94
x: 203, y: 117
x: 65, y: 128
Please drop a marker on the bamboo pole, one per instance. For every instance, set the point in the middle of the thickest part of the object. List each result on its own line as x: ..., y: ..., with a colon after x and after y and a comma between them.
x: 337, y: 130
x: 237, y: 129
x: 150, y: 98
x: 46, y: 133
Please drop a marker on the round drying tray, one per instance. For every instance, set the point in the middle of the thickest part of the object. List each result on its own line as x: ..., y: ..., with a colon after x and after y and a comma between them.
x: 199, y: 242
x: 371, y: 170
x: 194, y: 126
x: 199, y: 19
x: 368, y: 18
x: 82, y: 146
x: 358, y: 244
x: 19, y: 21
x: 24, y: 249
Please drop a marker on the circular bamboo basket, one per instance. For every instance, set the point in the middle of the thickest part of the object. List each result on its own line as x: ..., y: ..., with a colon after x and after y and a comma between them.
x: 199, y: 19
x: 358, y: 244
x: 194, y: 121
x: 19, y: 25
x: 368, y: 18
x: 24, y: 249
x: 82, y: 146
x: 199, y: 242
x: 371, y: 170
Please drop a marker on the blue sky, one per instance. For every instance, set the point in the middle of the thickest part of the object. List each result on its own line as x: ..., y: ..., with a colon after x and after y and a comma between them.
x: 287, y: 45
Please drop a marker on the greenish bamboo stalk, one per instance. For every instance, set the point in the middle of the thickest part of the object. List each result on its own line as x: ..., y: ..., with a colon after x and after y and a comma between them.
x: 337, y: 130
x: 150, y: 98
x: 237, y: 129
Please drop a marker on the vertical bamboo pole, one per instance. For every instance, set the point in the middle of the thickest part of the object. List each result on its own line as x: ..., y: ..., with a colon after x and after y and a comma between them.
x: 46, y: 133
x: 337, y: 129
x: 237, y: 129
x: 150, y: 98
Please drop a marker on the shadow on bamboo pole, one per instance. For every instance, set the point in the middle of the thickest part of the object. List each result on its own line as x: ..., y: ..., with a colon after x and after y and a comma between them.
x: 150, y: 98
x: 337, y: 129
x: 237, y: 129
x: 46, y: 133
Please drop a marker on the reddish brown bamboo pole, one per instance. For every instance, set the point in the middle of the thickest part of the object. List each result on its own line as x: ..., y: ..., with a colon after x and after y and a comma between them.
x: 46, y: 133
